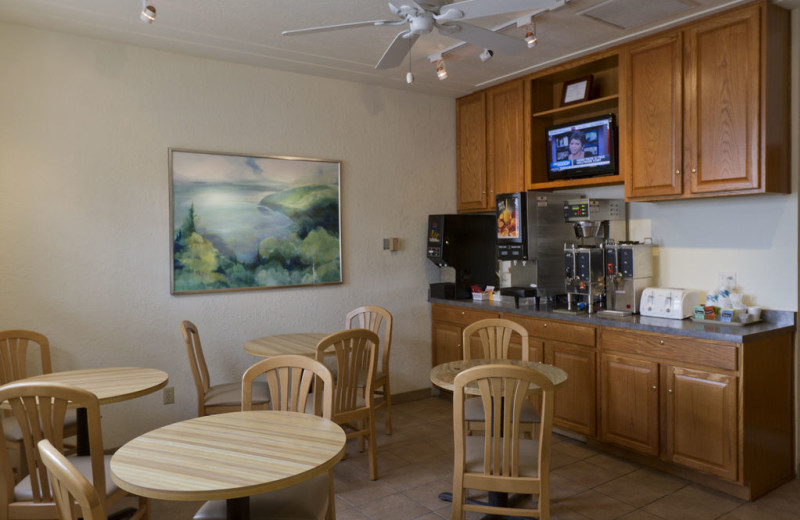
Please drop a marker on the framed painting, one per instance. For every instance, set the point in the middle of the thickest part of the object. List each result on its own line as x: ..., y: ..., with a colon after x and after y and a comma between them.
x: 244, y: 222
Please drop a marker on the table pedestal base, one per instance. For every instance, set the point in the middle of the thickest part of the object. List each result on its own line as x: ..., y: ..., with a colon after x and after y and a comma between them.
x: 237, y: 508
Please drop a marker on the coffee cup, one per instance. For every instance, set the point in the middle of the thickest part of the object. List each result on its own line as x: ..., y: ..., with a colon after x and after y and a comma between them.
x: 754, y: 312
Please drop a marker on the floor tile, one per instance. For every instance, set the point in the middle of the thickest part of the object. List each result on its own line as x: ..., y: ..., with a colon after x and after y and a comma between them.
x: 693, y: 503
x: 393, y: 507
x: 597, y: 506
x: 428, y: 494
x: 641, y: 487
x: 586, y: 473
x: 786, y: 498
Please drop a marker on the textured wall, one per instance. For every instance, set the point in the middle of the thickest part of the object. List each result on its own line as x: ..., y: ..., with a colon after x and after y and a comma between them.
x: 84, y: 221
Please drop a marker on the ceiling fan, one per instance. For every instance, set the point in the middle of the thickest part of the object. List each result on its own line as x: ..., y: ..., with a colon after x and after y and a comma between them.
x: 448, y: 18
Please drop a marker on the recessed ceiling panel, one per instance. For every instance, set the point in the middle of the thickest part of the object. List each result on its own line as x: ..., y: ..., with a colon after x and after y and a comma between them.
x: 628, y: 14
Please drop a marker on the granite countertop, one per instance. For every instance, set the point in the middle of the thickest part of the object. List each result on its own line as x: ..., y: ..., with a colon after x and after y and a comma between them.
x: 774, y: 322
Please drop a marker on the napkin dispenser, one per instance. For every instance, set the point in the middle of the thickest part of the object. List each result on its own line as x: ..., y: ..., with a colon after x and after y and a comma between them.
x: 671, y: 303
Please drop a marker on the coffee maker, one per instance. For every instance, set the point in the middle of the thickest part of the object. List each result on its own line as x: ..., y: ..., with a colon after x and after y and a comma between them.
x: 629, y: 270
x: 531, y: 233
x: 467, y: 244
x: 595, y: 222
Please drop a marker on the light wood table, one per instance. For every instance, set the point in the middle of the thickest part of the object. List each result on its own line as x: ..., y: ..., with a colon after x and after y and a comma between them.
x: 110, y: 385
x: 228, y: 456
x: 444, y: 374
x: 302, y: 343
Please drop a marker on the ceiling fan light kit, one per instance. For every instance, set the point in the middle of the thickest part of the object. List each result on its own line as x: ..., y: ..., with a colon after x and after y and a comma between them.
x: 422, y: 16
x: 148, y: 14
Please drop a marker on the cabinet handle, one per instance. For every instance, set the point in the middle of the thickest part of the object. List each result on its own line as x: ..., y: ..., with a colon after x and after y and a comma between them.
x: 661, y: 342
x: 545, y: 325
x: 462, y: 313
x: 694, y: 170
x: 654, y: 388
x: 669, y: 391
x: 677, y: 172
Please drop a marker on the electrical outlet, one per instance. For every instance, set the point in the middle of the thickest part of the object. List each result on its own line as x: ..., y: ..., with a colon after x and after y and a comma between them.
x: 169, y: 395
x: 727, y: 280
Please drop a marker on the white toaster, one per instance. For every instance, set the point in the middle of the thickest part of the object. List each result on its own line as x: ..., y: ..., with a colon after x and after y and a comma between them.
x: 668, y: 303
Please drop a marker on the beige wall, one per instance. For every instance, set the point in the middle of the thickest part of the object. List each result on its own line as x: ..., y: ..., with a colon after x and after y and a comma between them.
x: 85, y: 126
x: 84, y: 224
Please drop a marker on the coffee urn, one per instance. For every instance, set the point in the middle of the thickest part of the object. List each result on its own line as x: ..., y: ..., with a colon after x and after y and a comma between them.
x: 629, y: 270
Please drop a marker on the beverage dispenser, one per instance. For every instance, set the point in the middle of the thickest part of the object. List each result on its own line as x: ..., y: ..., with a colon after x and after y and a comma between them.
x: 467, y: 244
x: 629, y: 270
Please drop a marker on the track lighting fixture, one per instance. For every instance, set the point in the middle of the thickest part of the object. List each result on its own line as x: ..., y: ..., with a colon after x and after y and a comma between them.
x: 486, y: 55
x: 441, y: 72
x: 148, y: 14
x: 530, y: 36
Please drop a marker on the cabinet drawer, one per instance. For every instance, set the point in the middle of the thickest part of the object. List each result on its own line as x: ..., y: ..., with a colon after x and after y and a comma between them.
x: 705, y: 352
x: 558, y: 330
x: 460, y: 315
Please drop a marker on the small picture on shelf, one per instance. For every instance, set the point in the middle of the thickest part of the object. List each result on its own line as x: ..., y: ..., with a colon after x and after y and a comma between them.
x: 576, y: 90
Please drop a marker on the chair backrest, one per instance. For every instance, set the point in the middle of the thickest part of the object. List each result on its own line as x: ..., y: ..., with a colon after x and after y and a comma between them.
x: 197, y: 362
x: 371, y: 317
x: 291, y: 379
x: 356, y: 353
x: 70, y: 486
x: 503, y: 389
x: 39, y: 408
x: 14, y: 346
x: 495, y: 336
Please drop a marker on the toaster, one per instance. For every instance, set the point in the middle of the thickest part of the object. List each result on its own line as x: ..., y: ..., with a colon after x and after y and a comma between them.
x: 663, y: 302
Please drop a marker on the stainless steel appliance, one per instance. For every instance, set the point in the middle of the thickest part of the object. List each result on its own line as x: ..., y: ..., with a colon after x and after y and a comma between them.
x: 531, y: 232
x: 595, y: 222
x: 629, y: 269
x: 467, y: 244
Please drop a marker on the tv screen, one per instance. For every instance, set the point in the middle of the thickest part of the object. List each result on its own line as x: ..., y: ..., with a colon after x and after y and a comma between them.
x: 582, y: 148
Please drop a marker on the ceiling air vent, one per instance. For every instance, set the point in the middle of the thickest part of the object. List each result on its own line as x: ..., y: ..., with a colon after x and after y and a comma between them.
x: 627, y: 14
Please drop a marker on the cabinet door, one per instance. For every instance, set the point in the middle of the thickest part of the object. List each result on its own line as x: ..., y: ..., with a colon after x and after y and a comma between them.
x: 701, y: 420
x: 650, y: 127
x: 574, y: 407
x: 446, y: 343
x: 535, y: 350
x: 471, y: 175
x: 505, y: 140
x: 629, y: 403
x: 721, y: 81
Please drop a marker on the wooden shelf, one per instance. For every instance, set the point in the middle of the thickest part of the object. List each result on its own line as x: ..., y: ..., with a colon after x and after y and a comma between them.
x: 577, y: 183
x: 609, y: 102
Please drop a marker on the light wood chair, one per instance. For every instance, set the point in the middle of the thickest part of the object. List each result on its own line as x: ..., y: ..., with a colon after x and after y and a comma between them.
x: 291, y: 379
x: 14, y: 351
x: 502, y: 461
x: 70, y: 487
x: 355, y: 351
x: 40, y: 409
x: 495, y: 336
x: 220, y: 398
x: 371, y: 317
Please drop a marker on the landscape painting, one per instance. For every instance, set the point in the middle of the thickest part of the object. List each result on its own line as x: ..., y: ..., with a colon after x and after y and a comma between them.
x: 242, y: 222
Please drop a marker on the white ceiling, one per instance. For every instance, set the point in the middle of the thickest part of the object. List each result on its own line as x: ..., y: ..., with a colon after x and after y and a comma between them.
x: 249, y: 31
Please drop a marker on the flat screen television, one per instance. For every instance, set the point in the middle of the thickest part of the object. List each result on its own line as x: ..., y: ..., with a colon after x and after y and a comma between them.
x: 584, y: 148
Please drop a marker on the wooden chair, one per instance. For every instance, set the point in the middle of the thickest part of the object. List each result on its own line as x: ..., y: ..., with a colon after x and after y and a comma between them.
x: 40, y: 409
x: 502, y: 461
x: 355, y: 351
x: 221, y: 398
x: 495, y: 339
x: 14, y: 350
x: 291, y: 379
x: 371, y: 317
x: 70, y: 487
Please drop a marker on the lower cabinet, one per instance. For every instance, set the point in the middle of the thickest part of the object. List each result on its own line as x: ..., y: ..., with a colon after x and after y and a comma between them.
x: 448, y: 323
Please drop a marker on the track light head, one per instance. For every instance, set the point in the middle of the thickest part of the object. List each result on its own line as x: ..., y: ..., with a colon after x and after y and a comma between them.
x: 441, y: 71
x: 530, y: 36
x: 486, y: 55
x: 148, y: 14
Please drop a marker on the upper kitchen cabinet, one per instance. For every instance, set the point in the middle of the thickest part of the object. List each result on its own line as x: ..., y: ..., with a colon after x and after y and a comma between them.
x: 704, y: 110
x: 490, y: 146
x: 546, y: 89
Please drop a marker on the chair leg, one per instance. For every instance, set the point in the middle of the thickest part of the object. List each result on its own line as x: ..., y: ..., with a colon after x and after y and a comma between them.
x: 373, y: 450
x: 458, y: 497
x: 387, y: 397
x: 362, y: 426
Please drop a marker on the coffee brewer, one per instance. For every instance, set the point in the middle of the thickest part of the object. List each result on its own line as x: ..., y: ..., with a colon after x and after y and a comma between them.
x: 595, y: 221
x: 629, y: 270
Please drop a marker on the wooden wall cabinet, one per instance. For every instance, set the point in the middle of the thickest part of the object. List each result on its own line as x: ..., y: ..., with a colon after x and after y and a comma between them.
x: 490, y: 146
x: 704, y: 110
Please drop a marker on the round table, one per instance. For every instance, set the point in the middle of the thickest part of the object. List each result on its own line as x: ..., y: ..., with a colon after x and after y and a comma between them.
x: 110, y: 385
x: 228, y: 456
x: 444, y: 374
x: 302, y: 343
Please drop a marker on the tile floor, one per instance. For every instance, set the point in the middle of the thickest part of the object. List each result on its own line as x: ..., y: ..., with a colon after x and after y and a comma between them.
x: 415, y: 466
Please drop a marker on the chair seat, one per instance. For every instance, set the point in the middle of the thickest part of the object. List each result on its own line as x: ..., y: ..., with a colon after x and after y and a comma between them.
x: 23, y: 492
x: 13, y: 432
x: 306, y: 500
x: 473, y: 411
x: 528, y: 456
x: 362, y: 378
x: 230, y: 394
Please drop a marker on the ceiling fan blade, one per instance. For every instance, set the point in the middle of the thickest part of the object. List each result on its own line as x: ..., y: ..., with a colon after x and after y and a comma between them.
x: 483, y: 38
x: 309, y: 30
x: 397, y: 51
x: 480, y: 8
